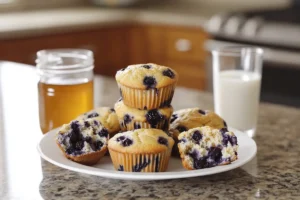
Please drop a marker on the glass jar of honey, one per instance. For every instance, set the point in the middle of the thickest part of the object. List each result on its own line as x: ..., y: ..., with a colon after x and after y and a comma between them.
x: 65, y: 86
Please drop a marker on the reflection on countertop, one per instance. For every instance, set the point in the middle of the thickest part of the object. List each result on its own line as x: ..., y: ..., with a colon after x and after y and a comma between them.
x: 273, y: 173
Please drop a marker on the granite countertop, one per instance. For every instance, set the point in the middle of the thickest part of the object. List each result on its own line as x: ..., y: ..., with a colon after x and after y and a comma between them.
x: 193, y: 13
x: 273, y: 174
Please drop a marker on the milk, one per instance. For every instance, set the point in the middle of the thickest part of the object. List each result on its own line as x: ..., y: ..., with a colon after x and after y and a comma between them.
x: 237, y: 98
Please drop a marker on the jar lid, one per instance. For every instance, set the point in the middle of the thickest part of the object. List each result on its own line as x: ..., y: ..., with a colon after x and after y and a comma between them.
x: 62, y: 61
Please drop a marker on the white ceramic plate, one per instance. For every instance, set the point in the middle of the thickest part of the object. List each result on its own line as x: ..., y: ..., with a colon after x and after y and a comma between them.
x: 50, y: 152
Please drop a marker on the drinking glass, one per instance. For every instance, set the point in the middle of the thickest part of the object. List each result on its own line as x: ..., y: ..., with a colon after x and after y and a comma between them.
x: 237, y: 73
x: 65, y: 86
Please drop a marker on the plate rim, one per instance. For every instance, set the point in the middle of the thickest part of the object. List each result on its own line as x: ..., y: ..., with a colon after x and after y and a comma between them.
x: 147, y: 176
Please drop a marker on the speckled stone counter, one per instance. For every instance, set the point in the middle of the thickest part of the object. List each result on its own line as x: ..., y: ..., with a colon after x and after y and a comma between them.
x: 273, y: 174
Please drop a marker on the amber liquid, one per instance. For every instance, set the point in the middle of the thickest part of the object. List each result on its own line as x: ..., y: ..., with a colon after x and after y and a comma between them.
x: 59, y: 104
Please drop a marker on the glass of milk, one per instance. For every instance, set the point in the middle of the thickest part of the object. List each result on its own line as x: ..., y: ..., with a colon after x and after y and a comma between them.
x: 237, y: 73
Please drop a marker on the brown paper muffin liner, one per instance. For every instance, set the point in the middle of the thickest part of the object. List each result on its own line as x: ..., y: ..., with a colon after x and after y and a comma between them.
x: 86, y: 159
x: 140, y: 162
x: 147, y: 99
x: 163, y: 125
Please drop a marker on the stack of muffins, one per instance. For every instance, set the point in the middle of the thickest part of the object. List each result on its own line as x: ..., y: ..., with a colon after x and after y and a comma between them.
x: 146, y: 95
x: 140, y: 131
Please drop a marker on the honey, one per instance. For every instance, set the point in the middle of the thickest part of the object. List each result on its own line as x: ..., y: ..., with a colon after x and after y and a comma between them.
x: 59, y: 104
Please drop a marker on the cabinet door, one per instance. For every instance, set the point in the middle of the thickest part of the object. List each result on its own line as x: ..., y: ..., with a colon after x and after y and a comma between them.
x: 185, y: 44
x: 180, y: 48
x: 137, y: 45
x: 116, y: 47
x: 24, y: 50
x: 111, y: 50
x: 190, y: 75
x: 155, y: 44
x: 147, y: 44
x: 106, y: 43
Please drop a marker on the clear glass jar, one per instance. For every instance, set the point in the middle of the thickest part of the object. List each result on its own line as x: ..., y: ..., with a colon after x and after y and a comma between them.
x: 237, y: 73
x: 65, y: 86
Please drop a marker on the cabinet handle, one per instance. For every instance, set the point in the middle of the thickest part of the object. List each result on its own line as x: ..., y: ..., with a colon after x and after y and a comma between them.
x: 183, y: 45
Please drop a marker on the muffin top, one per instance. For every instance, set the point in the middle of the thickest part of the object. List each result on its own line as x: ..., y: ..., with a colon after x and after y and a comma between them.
x: 204, y: 147
x: 82, y: 137
x: 207, y: 136
x: 127, y: 113
x: 185, y: 119
x: 141, y: 141
x: 106, y: 116
x: 146, y: 76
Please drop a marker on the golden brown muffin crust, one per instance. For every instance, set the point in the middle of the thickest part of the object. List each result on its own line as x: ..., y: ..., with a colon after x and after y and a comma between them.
x: 134, y: 76
x: 141, y: 141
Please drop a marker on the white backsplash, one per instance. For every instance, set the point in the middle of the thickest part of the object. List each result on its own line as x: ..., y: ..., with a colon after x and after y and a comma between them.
x: 35, y: 4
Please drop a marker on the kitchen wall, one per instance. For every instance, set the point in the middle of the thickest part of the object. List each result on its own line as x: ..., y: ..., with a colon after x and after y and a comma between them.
x: 12, y: 5
x: 212, y: 5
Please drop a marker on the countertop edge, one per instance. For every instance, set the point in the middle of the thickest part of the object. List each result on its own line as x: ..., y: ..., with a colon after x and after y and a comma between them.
x: 63, y: 20
x: 90, y: 19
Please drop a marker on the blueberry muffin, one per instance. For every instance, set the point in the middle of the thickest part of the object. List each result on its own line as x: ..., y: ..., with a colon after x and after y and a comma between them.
x: 132, y: 118
x: 83, y: 141
x: 205, y: 147
x: 147, y: 86
x: 106, y: 116
x: 185, y: 119
x: 141, y: 150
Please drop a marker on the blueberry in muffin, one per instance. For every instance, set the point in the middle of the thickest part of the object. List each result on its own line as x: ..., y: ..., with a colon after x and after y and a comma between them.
x: 146, y: 66
x: 149, y: 82
x: 169, y: 73
x: 132, y: 118
x: 83, y: 141
x: 205, y: 147
x: 154, y: 117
